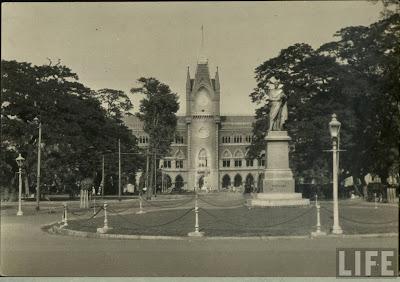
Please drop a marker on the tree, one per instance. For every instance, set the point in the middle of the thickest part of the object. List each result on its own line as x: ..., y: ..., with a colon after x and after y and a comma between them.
x: 355, y: 77
x: 373, y: 55
x: 75, y: 129
x: 115, y: 102
x: 158, y: 112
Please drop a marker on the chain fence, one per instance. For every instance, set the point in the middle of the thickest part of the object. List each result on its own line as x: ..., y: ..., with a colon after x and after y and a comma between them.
x: 231, y: 204
x: 129, y: 220
x: 330, y: 212
x: 242, y: 220
x: 263, y: 226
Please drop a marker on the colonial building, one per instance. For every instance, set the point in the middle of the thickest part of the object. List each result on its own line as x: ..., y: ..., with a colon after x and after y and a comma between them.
x: 209, y: 150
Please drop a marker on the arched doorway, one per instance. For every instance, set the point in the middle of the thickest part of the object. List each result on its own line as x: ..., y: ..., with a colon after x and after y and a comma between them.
x: 201, y: 182
x: 260, y: 182
x: 249, y: 184
x: 226, y: 181
x: 167, y: 182
x: 178, y: 182
x: 237, y: 180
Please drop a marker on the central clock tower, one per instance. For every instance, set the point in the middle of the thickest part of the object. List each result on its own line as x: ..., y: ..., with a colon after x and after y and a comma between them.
x: 202, y: 121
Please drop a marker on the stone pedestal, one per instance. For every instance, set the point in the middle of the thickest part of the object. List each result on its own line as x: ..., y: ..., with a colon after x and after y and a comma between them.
x: 278, y: 185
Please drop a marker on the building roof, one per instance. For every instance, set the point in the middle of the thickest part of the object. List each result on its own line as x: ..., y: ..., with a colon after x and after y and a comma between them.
x: 134, y: 123
x: 238, y: 118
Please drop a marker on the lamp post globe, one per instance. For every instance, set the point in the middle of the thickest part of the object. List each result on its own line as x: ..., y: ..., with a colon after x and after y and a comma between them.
x: 20, y: 162
x: 334, y: 128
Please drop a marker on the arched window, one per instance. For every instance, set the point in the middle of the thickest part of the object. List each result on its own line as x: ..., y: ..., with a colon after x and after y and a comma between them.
x: 202, y: 158
x: 238, y: 158
x: 262, y: 160
x: 226, y: 139
x: 178, y: 139
x: 167, y: 163
x: 249, y: 138
x: 237, y: 139
x: 226, y: 158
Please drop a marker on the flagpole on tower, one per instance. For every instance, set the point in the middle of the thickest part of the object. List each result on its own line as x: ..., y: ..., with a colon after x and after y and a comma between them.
x: 202, y: 58
x: 202, y: 37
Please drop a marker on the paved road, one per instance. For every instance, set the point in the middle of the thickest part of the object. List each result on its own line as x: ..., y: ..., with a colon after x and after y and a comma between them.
x: 28, y: 251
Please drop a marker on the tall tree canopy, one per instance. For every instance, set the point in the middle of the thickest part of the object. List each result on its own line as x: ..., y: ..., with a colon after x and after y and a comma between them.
x: 356, y: 77
x: 115, y: 102
x: 75, y: 129
x: 158, y: 112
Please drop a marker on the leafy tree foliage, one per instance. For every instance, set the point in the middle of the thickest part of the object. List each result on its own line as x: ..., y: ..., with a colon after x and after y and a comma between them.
x: 158, y: 112
x: 355, y: 77
x: 116, y: 102
x: 75, y: 129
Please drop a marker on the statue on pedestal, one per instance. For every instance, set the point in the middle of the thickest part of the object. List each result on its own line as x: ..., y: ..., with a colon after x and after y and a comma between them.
x: 278, y: 112
x: 278, y: 182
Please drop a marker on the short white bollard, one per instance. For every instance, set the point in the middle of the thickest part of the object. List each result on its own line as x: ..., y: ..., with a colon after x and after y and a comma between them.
x: 376, y: 201
x: 141, y: 211
x: 196, y: 232
x: 94, y: 206
x: 81, y: 199
x: 87, y: 198
x: 65, y: 215
x: 318, y: 232
x: 105, y: 228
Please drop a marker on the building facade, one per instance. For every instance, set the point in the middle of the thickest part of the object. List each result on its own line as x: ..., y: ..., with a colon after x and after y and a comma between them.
x: 209, y: 151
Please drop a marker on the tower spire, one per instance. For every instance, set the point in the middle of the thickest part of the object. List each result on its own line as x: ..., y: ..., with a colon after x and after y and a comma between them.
x: 202, y: 57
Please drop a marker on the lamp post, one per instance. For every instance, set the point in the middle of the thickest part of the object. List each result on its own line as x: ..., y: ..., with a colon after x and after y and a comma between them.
x: 334, y: 128
x: 20, y: 162
x: 39, y: 123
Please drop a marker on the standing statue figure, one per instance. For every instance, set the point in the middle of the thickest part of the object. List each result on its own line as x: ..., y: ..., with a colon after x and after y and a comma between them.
x: 278, y: 112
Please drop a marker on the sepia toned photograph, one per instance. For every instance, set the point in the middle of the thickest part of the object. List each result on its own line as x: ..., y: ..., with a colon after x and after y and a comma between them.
x: 200, y: 139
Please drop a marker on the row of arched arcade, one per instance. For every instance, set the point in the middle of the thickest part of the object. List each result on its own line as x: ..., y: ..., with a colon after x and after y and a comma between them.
x: 246, y: 182
x: 249, y: 183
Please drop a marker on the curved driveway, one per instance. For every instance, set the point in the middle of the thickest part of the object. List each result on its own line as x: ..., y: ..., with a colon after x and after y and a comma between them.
x: 28, y: 251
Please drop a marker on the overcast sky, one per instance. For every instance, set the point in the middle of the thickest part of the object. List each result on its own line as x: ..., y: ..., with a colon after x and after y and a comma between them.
x: 113, y: 44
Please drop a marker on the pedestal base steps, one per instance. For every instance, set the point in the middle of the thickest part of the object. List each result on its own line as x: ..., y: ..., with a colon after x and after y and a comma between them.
x: 278, y: 184
x: 277, y: 200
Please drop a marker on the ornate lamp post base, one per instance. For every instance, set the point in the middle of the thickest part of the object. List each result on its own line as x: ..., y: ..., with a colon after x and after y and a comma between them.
x: 196, y: 234
x: 103, y: 230
x: 20, y: 213
x: 337, y: 230
x: 318, y: 233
